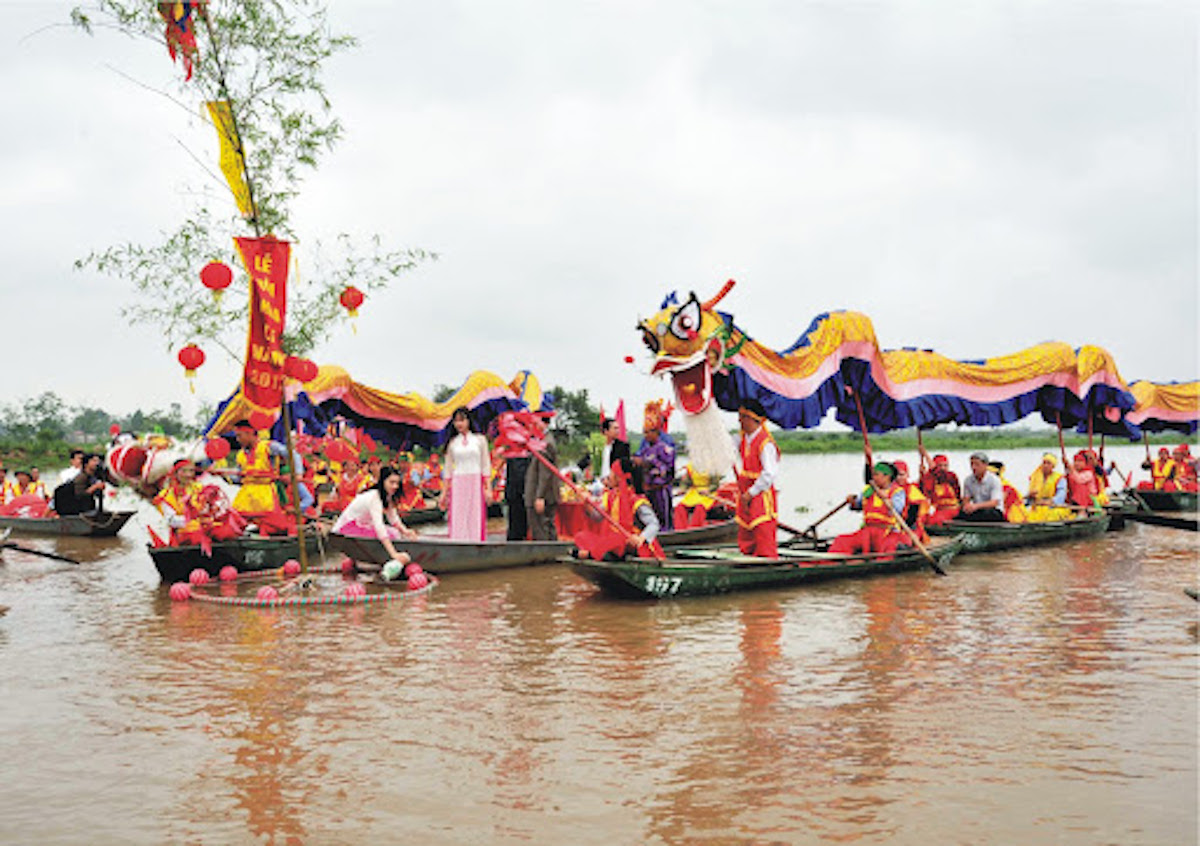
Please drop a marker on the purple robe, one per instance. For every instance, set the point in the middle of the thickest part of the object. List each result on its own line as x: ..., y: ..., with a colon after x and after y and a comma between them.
x: 658, y: 475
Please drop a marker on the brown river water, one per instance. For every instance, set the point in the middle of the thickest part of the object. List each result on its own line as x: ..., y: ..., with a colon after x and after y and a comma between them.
x: 1031, y: 696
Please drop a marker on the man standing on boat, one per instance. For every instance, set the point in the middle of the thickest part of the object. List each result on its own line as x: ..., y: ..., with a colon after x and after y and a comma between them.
x: 757, y: 466
x: 541, y: 489
x: 615, y: 450
x: 656, y: 458
x: 257, y: 499
x: 983, y: 493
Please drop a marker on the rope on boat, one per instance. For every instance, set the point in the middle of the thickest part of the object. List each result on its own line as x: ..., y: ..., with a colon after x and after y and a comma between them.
x: 305, y: 601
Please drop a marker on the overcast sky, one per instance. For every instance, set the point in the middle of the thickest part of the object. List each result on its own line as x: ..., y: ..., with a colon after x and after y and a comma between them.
x: 976, y: 177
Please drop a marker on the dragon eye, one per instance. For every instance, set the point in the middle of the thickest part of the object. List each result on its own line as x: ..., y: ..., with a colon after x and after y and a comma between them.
x: 686, y: 321
x: 649, y: 339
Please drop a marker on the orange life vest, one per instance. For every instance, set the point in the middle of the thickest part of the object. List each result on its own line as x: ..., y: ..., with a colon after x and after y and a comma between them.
x: 1162, y: 472
x: 877, y: 509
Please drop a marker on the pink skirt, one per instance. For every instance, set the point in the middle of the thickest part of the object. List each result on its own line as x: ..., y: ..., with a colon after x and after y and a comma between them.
x: 355, y: 529
x: 467, y: 508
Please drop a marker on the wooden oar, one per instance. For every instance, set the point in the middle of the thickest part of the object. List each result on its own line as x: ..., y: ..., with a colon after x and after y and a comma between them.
x: 812, y: 530
x: 29, y: 551
x: 792, y: 529
x: 912, y: 536
x: 1125, y: 477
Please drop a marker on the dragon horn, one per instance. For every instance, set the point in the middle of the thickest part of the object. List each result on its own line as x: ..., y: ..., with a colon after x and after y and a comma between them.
x: 725, y: 289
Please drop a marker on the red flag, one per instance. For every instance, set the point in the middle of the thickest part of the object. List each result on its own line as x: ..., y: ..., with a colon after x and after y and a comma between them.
x: 620, y: 418
x: 266, y: 260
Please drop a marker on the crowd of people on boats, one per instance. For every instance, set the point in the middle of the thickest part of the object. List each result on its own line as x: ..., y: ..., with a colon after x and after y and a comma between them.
x: 618, y: 508
x: 79, y: 489
x: 1173, y: 470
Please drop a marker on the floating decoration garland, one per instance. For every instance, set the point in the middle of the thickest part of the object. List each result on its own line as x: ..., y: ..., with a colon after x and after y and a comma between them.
x: 268, y: 596
x: 344, y: 598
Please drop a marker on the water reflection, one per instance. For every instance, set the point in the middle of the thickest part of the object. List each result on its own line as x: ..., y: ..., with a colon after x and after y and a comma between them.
x: 1033, y: 696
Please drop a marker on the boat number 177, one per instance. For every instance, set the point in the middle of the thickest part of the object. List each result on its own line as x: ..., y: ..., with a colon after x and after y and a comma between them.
x: 663, y: 585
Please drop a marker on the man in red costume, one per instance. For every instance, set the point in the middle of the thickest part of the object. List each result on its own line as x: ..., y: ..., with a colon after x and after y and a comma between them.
x: 916, y: 504
x: 1162, y: 472
x: 941, y: 485
x: 631, y: 511
x: 1083, y: 486
x: 758, y: 464
x: 257, y: 500
x: 1185, y: 469
x: 196, y: 514
x: 879, y: 502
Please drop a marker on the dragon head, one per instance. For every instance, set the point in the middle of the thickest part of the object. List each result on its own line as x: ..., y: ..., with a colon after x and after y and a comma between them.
x: 689, y: 341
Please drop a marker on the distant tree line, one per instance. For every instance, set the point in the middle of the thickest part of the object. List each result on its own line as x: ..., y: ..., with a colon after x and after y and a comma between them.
x: 44, y: 425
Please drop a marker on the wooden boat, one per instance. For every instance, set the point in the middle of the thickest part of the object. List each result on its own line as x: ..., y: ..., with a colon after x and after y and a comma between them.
x: 442, y: 555
x: 721, y: 532
x: 1189, y: 523
x: 420, y: 516
x: 247, y: 554
x: 1166, y: 500
x: 702, y: 572
x: 978, y: 537
x: 103, y: 525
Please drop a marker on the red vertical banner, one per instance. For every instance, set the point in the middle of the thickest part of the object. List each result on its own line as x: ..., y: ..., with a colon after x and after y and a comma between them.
x: 266, y: 261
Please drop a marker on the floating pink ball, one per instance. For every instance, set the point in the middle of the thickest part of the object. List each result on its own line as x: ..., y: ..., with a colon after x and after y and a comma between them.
x: 228, y: 573
x: 199, y: 576
x: 355, y: 590
x: 417, y: 581
x: 266, y: 593
x: 347, y: 566
x: 291, y: 567
x: 180, y: 592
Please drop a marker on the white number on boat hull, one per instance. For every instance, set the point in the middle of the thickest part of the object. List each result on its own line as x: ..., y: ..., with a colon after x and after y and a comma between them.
x: 663, y: 585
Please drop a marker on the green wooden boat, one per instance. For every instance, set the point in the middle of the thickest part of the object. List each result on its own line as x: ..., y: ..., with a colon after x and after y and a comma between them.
x: 702, y: 572
x: 246, y: 554
x: 1167, y: 500
x: 978, y: 537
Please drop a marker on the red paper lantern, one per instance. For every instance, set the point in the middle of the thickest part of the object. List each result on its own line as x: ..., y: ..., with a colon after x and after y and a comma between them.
x: 216, y: 449
x: 262, y: 420
x: 114, y: 429
x: 191, y: 357
x: 216, y: 276
x: 300, y: 369
x: 351, y: 299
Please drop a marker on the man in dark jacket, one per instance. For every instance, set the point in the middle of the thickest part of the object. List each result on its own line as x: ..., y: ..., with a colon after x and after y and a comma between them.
x: 541, y: 493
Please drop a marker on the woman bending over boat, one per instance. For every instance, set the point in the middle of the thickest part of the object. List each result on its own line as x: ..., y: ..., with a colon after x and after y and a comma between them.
x: 364, y: 518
